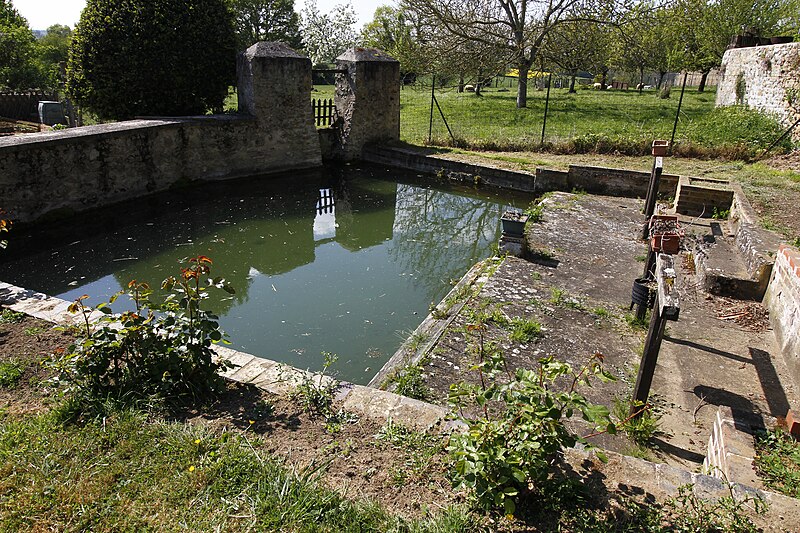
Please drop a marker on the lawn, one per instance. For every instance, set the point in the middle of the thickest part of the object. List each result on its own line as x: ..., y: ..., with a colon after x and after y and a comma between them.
x: 494, y: 114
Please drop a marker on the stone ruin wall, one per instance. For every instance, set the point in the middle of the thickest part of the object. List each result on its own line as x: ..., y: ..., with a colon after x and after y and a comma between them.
x: 765, y: 76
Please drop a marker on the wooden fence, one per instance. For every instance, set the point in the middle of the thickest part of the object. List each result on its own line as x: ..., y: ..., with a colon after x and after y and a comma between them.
x: 23, y: 105
x: 324, y: 111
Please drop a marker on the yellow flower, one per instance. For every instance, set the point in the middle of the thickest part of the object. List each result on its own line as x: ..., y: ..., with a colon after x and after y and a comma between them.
x: 197, y: 441
x: 191, y: 468
x: 252, y: 422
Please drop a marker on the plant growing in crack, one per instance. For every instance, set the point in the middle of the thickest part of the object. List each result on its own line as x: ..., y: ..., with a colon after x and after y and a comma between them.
x: 515, y: 422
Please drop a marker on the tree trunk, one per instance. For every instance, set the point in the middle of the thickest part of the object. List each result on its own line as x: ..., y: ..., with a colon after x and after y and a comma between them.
x: 572, y: 82
x: 461, y: 83
x: 661, y: 74
x: 641, y: 79
x: 703, y: 78
x: 604, y: 79
x: 522, y: 85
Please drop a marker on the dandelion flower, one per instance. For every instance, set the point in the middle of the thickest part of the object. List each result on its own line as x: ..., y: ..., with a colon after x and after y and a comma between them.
x: 191, y: 468
x: 252, y: 422
x: 197, y: 441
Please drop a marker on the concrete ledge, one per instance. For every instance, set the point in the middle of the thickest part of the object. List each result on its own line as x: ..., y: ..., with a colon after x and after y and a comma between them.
x: 599, y: 180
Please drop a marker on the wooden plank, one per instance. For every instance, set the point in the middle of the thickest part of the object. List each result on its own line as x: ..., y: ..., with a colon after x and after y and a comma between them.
x: 667, y: 277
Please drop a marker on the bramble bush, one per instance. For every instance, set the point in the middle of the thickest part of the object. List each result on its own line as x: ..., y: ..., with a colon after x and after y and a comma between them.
x: 160, y: 350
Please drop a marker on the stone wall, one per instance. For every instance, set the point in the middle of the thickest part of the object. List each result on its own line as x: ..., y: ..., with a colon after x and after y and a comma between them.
x: 763, y: 75
x: 783, y: 301
x: 73, y: 170
x: 367, y: 100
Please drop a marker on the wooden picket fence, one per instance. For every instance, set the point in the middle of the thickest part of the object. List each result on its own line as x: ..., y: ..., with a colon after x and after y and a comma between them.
x: 324, y: 111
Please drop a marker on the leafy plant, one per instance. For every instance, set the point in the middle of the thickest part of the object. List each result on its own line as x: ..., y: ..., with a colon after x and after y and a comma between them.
x: 690, y: 514
x: 535, y: 212
x: 159, y: 350
x: 10, y: 373
x: 640, y: 428
x: 511, y: 444
x: 720, y: 214
x: 315, y: 393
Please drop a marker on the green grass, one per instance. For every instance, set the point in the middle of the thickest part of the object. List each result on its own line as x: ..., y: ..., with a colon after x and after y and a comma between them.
x: 131, y: 472
x: 524, y: 330
x: 409, y: 381
x: 586, y: 121
x: 778, y: 462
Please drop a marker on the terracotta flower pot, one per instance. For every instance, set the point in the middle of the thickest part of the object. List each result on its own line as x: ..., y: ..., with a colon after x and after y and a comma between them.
x: 666, y: 243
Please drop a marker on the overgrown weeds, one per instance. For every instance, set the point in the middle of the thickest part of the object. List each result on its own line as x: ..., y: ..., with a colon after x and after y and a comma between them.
x: 778, y: 461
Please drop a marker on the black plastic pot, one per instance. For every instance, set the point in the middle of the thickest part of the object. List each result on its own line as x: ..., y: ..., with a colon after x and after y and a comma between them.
x: 642, y: 294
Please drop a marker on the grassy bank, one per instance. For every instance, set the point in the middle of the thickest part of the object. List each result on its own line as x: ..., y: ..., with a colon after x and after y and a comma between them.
x: 133, y: 472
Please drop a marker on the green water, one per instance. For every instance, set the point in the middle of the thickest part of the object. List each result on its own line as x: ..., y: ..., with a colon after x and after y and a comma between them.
x: 353, y: 279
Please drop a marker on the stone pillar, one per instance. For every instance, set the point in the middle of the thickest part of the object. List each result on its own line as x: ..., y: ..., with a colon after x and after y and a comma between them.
x: 367, y: 100
x: 275, y: 87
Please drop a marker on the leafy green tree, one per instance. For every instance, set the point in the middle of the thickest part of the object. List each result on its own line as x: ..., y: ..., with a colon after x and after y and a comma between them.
x: 577, y: 46
x: 52, y: 51
x: 395, y: 31
x: 266, y: 20
x: 327, y: 35
x: 139, y: 57
x: 18, y: 67
x: 517, y: 27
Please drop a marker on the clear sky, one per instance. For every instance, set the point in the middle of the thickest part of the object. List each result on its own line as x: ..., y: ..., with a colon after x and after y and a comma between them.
x: 44, y: 13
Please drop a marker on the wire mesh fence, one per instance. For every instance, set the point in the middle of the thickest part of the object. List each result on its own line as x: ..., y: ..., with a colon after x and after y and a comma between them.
x: 443, y: 111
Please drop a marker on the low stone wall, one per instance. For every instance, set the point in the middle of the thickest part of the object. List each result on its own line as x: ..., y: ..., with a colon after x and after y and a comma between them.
x: 759, y: 77
x: 595, y: 180
x: 783, y: 301
x: 77, y: 169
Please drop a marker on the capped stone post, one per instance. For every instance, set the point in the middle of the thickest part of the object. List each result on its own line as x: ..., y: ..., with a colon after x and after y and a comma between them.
x: 367, y: 99
x: 274, y: 86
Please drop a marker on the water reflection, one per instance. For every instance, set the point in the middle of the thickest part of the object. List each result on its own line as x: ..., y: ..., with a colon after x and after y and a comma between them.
x: 337, y: 261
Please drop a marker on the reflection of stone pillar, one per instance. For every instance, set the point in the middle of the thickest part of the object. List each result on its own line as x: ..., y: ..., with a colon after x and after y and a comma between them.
x: 275, y: 87
x: 367, y: 99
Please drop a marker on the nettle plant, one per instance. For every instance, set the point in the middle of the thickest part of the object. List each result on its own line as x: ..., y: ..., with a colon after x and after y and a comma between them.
x: 514, y: 441
x: 161, y: 349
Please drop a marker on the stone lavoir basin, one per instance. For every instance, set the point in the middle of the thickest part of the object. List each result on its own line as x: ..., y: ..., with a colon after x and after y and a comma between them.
x: 344, y: 259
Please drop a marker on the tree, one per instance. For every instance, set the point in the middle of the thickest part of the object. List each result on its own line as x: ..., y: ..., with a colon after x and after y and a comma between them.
x: 139, y: 57
x: 327, y: 35
x: 575, y: 46
x: 518, y: 27
x: 266, y: 20
x: 18, y: 68
x: 396, y: 32
x: 707, y: 26
x: 52, y: 51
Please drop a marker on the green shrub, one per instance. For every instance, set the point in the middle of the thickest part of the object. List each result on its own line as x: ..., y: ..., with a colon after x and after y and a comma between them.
x: 160, y: 350
x: 172, y: 57
x: 409, y: 381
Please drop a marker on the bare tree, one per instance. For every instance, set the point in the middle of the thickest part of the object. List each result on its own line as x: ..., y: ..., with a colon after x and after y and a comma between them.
x: 518, y: 27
